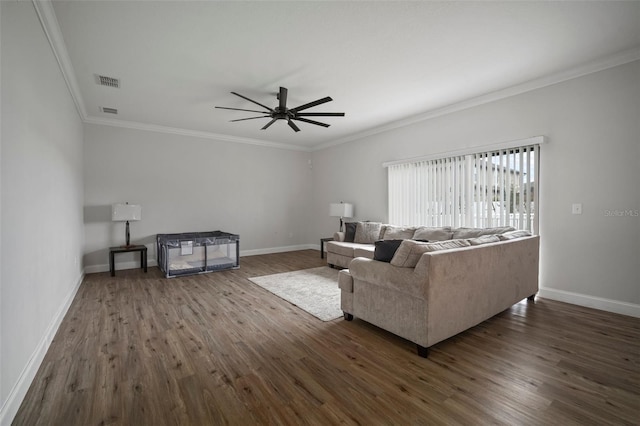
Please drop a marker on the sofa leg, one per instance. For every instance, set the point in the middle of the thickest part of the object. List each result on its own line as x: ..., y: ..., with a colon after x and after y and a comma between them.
x: 348, y: 316
x: 422, y: 351
x: 531, y: 298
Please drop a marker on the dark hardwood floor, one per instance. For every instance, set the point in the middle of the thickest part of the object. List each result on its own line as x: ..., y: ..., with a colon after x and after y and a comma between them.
x: 139, y: 349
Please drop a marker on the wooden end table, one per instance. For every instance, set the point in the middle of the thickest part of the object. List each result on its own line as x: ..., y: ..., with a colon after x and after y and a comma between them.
x: 322, y: 241
x: 126, y: 249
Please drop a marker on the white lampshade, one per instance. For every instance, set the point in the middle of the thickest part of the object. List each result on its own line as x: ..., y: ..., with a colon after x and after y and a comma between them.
x: 341, y: 209
x: 126, y: 212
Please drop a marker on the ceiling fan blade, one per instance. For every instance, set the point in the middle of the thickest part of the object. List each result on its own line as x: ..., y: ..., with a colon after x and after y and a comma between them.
x: 282, y: 97
x: 250, y: 118
x: 311, y: 104
x: 293, y: 125
x: 251, y: 100
x: 320, y: 114
x: 317, y: 123
x: 240, y: 109
x: 269, y: 123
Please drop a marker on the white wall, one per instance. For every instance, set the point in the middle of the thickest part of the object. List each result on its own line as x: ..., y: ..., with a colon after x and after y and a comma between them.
x: 41, y: 201
x: 592, y: 158
x: 188, y: 184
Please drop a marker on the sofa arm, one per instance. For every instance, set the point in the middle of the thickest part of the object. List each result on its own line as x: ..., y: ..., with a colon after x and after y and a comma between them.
x: 383, y: 274
x: 338, y: 236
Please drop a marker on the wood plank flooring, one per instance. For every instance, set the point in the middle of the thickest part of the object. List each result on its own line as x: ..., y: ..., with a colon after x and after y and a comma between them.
x: 215, y: 349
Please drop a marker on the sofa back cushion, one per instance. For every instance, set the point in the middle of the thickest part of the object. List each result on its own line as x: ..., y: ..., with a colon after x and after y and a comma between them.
x: 433, y: 233
x: 512, y: 235
x: 484, y: 240
x: 391, y: 232
x: 479, y: 232
x: 410, y: 251
x: 367, y: 232
x: 385, y: 249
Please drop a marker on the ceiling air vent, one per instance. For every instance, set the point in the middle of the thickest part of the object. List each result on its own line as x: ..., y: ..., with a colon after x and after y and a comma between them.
x: 108, y: 81
x: 108, y: 110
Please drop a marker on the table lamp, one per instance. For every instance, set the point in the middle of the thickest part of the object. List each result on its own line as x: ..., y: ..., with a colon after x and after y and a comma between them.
x: 126, y: 212
x: 341, y: 210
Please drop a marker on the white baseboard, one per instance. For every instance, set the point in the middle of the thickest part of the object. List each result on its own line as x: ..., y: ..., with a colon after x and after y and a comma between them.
x: 92, y: 269
x: 279, y: 249
x: 608, y: 305
x: 134, y: 264
x: 19, y: 390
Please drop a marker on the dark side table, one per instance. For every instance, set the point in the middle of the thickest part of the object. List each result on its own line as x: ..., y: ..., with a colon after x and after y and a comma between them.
x: 126, y: 249
x: 322, y: 241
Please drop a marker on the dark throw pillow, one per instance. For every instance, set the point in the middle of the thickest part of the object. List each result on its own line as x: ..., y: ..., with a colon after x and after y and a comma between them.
x: 350, y: 231
x: 385, y: 249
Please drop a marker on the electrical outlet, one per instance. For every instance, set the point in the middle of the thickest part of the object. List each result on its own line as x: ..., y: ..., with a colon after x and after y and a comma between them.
x: 576, y: 208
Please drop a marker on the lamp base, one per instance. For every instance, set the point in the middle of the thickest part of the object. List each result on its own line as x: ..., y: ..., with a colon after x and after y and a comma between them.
x: 127, y: 236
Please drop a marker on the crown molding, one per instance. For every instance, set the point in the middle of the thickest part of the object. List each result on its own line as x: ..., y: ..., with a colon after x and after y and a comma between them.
x: 49, y: 23
x: 193, y: 133
x: 620, y: 58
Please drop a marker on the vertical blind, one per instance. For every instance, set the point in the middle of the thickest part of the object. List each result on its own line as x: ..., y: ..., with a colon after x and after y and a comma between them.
x: 486, y: 189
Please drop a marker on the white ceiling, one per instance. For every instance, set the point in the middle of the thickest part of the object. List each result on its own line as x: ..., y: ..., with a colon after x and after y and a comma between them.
x: 382, y: 62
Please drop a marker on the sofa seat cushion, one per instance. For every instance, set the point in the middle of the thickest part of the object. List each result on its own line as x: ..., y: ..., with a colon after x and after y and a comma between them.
x: 410, y: 251
x: 347, y: 249
x: 365, y: 251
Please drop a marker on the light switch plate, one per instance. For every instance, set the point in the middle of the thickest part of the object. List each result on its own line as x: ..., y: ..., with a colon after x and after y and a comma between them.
x: 576, y: 208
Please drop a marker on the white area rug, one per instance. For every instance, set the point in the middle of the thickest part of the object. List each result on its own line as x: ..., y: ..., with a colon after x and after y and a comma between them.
x: 313, y: 290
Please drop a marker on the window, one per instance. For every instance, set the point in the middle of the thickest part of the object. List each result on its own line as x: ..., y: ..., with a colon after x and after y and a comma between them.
x: 497, y: 187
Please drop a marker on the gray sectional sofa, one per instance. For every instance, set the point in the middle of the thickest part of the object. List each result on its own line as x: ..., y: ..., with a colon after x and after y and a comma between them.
x: 344, y: 247
x: 430, y: 291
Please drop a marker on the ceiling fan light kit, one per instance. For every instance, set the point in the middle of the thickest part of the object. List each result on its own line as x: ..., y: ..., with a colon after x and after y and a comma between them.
x: 281, y: 112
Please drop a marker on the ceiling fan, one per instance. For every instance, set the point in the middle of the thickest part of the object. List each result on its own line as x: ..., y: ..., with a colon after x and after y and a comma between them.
x: 281, y: 112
